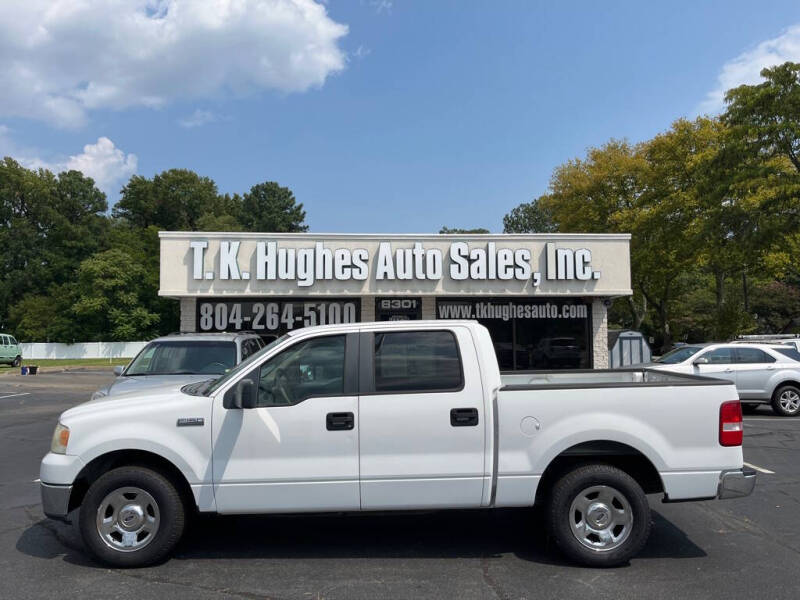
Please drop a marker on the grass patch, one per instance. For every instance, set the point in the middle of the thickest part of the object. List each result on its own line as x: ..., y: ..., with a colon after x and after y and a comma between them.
x: 72, y: 362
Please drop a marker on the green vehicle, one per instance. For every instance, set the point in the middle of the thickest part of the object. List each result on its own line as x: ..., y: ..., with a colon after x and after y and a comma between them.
x: 10, y: 352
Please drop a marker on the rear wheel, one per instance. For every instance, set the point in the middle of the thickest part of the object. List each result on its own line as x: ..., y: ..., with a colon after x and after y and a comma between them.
x: 17, y: 361
x: 598, y: 515
x: 131, y: 517
x: 786, y: 401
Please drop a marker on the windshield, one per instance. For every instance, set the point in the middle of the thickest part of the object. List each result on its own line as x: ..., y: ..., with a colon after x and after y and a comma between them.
x: 184, y: 357
x: 678, y: 355
x: 211, y: 386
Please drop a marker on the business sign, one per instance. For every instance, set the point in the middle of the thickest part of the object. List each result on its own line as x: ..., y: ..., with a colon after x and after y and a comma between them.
x: 306, y: 266
x: 338, y: 265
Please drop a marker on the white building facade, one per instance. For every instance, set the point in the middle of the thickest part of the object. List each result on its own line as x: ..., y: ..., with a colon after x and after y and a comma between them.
x: 544, y: 297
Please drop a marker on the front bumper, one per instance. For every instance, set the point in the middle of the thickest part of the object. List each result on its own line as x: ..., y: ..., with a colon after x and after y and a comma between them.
x: 737, y: 483
x: 55, y: 500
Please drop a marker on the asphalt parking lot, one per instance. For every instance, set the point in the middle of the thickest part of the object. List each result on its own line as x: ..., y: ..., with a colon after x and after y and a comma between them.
x: 718, y: 549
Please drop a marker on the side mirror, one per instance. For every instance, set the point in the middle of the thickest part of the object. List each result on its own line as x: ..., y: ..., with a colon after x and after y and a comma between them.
x: 700, y: 361
x: 118, y: 371
x: 241, y: 395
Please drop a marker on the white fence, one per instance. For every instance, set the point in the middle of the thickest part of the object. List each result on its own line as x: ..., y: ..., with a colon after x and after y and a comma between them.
x: 82, y: 350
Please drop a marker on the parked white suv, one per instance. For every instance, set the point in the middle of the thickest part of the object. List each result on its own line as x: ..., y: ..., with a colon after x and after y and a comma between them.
x: 763, y: 373
x: 182, y: 358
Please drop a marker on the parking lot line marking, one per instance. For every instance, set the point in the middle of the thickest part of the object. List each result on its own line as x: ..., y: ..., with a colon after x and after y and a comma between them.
x: 14, y: 395
x: 784, y: 419
x: 759, y: 469
x: 37, y: 480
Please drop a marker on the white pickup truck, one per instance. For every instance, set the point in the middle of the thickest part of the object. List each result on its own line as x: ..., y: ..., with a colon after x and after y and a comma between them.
x: 394, y: 416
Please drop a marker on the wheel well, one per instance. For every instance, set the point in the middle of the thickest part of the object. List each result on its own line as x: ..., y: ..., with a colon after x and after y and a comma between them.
x: 783, y: 383
x: 622, y: 456
x: 122, y: 458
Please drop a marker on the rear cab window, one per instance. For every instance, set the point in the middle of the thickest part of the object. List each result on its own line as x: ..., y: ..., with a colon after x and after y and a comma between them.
x: 417, y: 361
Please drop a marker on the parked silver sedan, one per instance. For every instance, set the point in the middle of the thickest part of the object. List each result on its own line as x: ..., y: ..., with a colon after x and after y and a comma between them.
x: 763, y: 373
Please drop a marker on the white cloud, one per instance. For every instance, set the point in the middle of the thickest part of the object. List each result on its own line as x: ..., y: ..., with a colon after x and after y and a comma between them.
x: 361, y: 52
x: 198, y: 118
x: 63, y: 58
x: 109, y: 166
x: 745, y: 68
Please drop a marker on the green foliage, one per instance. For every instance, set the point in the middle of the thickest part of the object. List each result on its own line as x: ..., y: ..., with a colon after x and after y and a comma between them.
x: 270, y: 207
x: 713, y: 206
x: 446, y: 229
x: 529, y: 217
x: 69, y: 272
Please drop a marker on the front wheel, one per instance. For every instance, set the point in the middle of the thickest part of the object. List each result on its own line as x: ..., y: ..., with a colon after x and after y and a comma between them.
x: 598, y: 515
x: 786, y: 401
x: 17, y: 361
x: 131, y: 517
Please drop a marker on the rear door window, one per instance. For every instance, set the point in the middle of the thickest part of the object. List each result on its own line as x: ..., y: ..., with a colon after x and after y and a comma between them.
x: 752, y: 355
x: 417, y: 361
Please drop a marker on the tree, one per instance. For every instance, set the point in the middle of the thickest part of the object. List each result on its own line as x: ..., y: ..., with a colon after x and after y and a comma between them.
x: 173, y: 200
x: 529, y: 217
x: 48, y: 225
x: 110, y: 303
x: 268, y: 207
x: 446, y: 229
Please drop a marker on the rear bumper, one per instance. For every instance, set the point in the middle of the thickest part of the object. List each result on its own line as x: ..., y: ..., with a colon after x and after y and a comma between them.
x: 55, y: 500
x: 737, y: 483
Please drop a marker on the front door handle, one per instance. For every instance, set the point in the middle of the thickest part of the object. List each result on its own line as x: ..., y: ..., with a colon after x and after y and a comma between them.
x: 340, y: 421
x: 463, y: 417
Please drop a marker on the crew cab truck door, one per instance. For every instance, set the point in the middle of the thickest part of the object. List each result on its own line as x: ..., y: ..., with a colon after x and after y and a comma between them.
x: 296, y: 449
x: 421, y: 414
x: 753, y: 370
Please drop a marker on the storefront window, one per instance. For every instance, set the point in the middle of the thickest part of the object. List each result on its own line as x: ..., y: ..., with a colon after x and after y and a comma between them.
x: 528, y: 334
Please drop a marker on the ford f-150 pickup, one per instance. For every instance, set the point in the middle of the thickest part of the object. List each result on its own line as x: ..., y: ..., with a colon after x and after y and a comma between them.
x: 394, y: 416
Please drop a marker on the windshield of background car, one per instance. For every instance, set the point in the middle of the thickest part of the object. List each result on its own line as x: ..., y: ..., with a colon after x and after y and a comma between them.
x: 184, y: 357
x: 678, y: 355
x: 790, y: 352
x: 243, y: 366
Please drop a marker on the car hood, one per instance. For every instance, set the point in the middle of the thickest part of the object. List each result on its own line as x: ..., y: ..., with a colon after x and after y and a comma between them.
x: 150, y: 395
x: 140, y: 383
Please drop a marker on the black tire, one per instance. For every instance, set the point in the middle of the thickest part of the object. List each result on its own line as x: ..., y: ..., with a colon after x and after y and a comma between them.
x: 17, y: 361
x: 623, y: 489
x: 779, y: 403
x: 169, y: 514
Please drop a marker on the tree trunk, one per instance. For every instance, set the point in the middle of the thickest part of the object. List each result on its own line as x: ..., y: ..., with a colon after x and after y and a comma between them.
x: 744, y: 291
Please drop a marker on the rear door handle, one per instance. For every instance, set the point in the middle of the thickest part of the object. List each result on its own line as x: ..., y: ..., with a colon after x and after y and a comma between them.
x: 463, y: 417
x: 341, y: 421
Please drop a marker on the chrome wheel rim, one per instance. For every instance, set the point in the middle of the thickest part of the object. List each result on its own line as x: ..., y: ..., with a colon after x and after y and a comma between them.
x: 601, y: 518
x: 128, y: 519
x: 789, y: 401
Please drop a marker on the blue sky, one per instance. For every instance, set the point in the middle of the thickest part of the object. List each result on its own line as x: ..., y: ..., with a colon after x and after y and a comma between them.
x: 408, y: 116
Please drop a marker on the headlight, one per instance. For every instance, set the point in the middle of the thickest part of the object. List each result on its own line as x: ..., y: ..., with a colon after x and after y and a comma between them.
x: 60, y: 439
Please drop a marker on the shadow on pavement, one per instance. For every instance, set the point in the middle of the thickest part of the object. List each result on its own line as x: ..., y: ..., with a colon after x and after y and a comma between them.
x: 445, y: 534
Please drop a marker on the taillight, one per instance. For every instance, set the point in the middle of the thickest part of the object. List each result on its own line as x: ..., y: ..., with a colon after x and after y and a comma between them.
x: 730, y: 424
